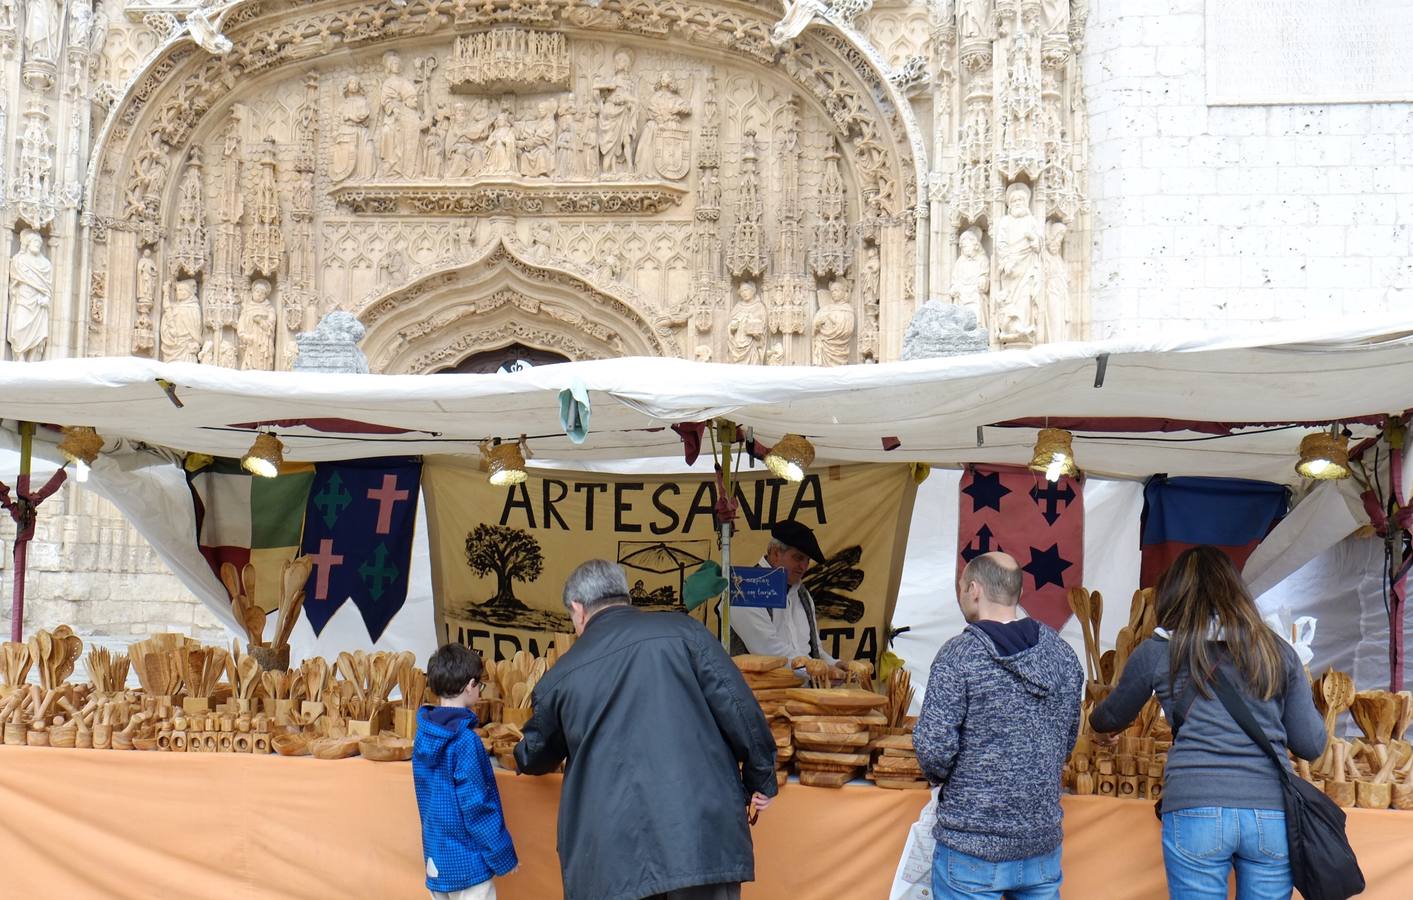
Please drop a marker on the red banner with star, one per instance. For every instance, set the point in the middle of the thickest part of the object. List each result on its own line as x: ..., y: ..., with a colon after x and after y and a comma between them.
x: 1040, y: 524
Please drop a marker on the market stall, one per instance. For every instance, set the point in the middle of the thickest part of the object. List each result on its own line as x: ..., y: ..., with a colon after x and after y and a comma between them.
x: 260, y: 544
x: 146, y: 825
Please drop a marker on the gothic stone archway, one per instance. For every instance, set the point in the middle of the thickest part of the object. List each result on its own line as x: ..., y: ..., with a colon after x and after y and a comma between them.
x: 499, y: 299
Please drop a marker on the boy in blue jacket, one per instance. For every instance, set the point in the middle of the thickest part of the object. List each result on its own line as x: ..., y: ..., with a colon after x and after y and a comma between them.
x: 464, y: 838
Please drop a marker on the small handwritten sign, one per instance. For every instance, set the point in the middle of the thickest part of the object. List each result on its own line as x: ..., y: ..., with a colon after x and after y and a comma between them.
x: 760, y: 587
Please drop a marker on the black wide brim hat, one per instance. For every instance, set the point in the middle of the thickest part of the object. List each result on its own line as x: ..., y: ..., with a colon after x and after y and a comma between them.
x: 801, y: 537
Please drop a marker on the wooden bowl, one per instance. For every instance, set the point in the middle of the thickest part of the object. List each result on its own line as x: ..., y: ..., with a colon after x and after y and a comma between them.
x: 385, y: 749
x: 144, y: 743
x: 334, y: 748
x: 290, y: 744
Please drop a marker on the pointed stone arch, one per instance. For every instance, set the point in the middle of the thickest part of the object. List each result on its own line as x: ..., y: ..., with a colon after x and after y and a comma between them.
x: 497, y: 299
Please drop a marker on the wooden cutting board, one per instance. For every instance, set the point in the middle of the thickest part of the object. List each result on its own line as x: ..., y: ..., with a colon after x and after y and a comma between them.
x: 803, y: 727
x: 897, y: 765
x: 778, y: 679
x: 771, y: 695
x: 825, y: 779
x: 901, y: 784
x: 838, y: 759
x: 824, y: 740
x: 755, y: 662
x: 839, y: 698
x: 799, y: 714
x: 895, y: 742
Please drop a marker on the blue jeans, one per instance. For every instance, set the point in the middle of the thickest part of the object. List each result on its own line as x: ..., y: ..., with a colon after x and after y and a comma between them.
x: 957, y: 875
x: 1201, y: 845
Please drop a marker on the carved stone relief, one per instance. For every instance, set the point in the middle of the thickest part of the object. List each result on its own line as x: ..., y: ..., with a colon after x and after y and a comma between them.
x: 31, y: 292
x: 670, y: 175
x: 1009, y: 163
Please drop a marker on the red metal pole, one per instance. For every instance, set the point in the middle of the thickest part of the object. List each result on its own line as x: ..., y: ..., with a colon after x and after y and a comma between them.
x: 1398, y: 578
x: 17, y: 604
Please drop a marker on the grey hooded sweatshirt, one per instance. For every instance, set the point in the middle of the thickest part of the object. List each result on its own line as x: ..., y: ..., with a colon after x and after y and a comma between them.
x: 996, y: 728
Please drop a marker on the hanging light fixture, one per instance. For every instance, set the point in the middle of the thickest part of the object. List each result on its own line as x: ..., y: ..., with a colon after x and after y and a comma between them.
x: 790, y: 458
x: 506, y: 462
x: 1324, y: 456
x: 80, y: 446
x: 1054, y: 454
x: 265, y: 456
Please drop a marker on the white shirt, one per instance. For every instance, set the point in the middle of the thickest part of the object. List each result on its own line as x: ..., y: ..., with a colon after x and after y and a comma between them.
x: 777, y: 632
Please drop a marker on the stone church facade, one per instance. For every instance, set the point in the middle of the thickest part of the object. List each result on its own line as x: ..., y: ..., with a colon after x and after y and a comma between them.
x: 772, y: 183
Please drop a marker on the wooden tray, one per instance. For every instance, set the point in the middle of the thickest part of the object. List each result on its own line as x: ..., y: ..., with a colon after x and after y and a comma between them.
x: 817, y: 740
x: 838, y: 759
x: 897, y: 765
x: 756, y: 662
x: 771, y: 695
x: 895, y: 742
x: 334, y: 748
x: 825, y: 779
x: 901, y: 784
x: 777, y: 680
x: 385, y: 749
x: 839, y: 698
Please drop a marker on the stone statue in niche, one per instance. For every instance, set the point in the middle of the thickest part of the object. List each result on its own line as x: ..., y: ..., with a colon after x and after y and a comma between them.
x: 31, y: 294
x: 665, y: 146
x: 1050, y: 318
x: 776, y: 356
x: 702, y: 353
x: 618, y: 116
x: 974, y: 19
x: 352, y: 153
x: 7, y: 13
x: 746, y: 332
x: 256, y: 328
x: 42, y: 29
x: 434, y: 134
x: 536, y: 140
x: 501, y: 156
x: 1056, y: 14
x: 400, y: 126
x: 971, y: 276
x: 147, y: 277
x: 834, y: 325
x: 870, y: 273
x: 566, y: 140
x: 181, y: 332
x: 541, y: 242
x: 1019, y: 241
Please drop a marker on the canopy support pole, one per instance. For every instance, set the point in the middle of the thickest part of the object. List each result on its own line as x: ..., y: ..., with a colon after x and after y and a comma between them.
x: 1398, y: 558
x: 725, y: 435
x: 22, y: 510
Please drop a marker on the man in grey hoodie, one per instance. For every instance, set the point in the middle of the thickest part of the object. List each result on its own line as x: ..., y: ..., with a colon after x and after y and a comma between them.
x: 999, y: 719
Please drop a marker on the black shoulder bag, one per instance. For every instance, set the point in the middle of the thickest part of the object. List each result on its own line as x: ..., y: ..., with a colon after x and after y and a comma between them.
x: 1322, y: 864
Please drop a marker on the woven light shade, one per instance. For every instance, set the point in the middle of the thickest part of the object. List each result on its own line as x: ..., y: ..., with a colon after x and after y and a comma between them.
x: 1054, y: 454
x: 81, y: 444
x: 790, y: 458
x: 1323, y: 456
x: 506, y: 464
x: 265, y: 456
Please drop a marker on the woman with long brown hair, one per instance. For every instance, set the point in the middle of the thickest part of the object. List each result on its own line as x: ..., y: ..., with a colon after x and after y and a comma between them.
x: 1222, y: 802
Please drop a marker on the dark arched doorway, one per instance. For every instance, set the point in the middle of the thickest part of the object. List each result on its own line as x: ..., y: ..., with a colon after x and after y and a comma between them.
x: 504, y: 359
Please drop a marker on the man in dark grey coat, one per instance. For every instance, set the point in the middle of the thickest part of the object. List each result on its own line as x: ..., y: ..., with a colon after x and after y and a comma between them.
x: 999, y: 719
x: 665, y: 751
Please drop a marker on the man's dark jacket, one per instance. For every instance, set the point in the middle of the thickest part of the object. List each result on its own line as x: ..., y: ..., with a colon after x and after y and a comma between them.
x: 664, y: 746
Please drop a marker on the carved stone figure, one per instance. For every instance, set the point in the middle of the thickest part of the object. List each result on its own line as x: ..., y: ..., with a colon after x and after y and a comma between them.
x: 702, y: 353
x: 501, y: 156
x: 776, y: 356
x: 42, y: 29
x: 392, y: 268
x: 189, y: 246
x: 566, y: 140
x: 434, y: 142
x: 834, y: 325
x: 870, y: 271
x: 746, y: 331
x: 798, y: 15
x: 352, y: 152
x: 1050, y: 318
x: 465, y: 153
x: 31, y: 294
x: 618, y: 116
x: 256, y: 328
x: 147, y: 278
x: 587, y: 142
x: 536, y: 140
x: 664, y: 148
x: 974, y: 18
x: 181, y: 331
x: 80, y: 23
x: 1056, y: 16
x: 541, y: 242
x: 971, y: 276
x: 264, y: 245
x: 400, y: 125
x: 1019, y: 240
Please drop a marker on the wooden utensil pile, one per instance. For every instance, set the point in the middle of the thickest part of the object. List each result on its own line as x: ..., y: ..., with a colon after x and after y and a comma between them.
x: 249, y: 615
x: 895, y: 766
x: 54, y: 655
x: 770, y: 678
x: 293, y: 577
x: 1130, y: 769
x: 900, y: 699
x: 1372, y: 765
x: 16, y: 664
x: 367, y: 680
x: 514, y: 680
x: 1088, y: 609
x: 202, y: 668
x: 157, y: 662
x: 108, y: 671
x: 831, y: 732
x: 411, y: 687
x: 1142, y: 619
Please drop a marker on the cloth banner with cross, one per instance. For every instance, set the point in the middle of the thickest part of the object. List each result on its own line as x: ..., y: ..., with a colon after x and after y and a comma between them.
x: 1039, y: 523
x: 354, y: 519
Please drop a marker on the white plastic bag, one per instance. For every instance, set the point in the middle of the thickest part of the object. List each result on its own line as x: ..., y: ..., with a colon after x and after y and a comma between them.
x: 913, y: 880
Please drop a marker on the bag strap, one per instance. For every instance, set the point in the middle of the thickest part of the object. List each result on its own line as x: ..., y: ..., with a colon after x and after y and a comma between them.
x: 1238, y: 710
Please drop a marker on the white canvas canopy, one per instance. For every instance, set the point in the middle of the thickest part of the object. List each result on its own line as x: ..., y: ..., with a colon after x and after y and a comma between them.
x: 933, y: 407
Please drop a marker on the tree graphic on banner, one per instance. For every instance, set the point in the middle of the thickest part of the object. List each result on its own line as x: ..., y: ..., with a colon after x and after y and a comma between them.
x: 512, y: 554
